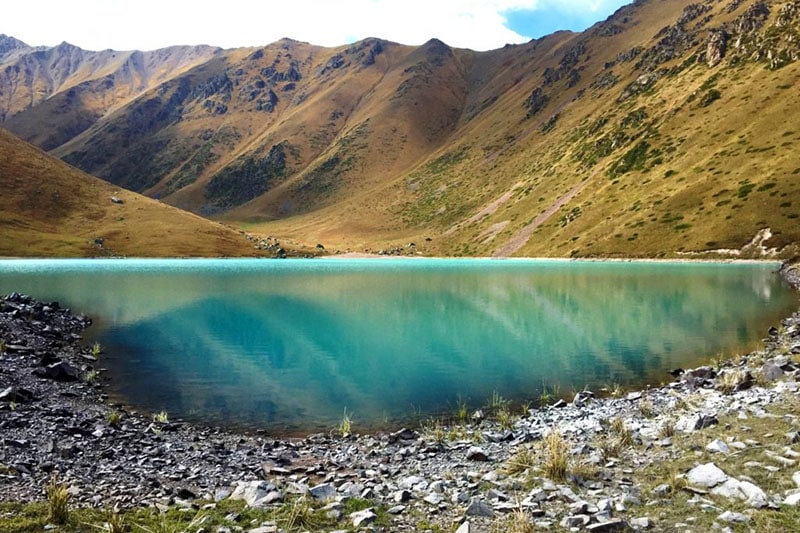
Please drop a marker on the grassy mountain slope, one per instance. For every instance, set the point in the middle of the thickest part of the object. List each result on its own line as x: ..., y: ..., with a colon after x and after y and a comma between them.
x: 668, y: 128
x: 49, y: 209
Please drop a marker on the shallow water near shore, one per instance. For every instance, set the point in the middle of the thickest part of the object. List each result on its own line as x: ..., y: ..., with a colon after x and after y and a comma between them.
x: 287, y: 346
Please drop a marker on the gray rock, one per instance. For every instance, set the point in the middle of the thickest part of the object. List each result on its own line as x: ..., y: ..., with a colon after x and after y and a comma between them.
x: 717, y: 446
x: 402, y: 496
x: 663, y: 489
x: 610, y: 525
x: 792, y: 498
x: 578, y: 520
x: 640, y: 523
x: 411, y: 482
x: 478, y: 508
x: 253, y: 492
x: 756, y: 497
x: 363, y: 518
x: 433, y: 498
x: 706, y: 476
x: 796, y: 478
x: 476, y: 453
x: 464, y: 528
x: 742, y: 490
x: 582, y: 398
x: 323, y: 491
x: 735, y: 518
x: 397, y: 509
x: 771, y: 371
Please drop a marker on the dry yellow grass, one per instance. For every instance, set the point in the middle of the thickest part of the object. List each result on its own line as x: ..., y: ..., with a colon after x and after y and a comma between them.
x: 49, y: 209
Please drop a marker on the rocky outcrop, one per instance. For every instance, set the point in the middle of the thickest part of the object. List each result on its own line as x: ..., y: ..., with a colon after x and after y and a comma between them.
x: 715, y: 48
x: 536, y: 101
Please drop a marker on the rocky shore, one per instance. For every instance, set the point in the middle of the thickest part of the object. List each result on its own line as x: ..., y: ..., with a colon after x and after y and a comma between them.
x: 717, y: 447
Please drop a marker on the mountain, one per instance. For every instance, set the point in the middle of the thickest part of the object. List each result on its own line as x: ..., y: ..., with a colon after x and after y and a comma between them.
x: 49, y: 209
x: 669, y: 128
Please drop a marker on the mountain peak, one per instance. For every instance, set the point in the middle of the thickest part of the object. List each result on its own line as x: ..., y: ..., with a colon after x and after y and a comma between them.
x: 9, y: 44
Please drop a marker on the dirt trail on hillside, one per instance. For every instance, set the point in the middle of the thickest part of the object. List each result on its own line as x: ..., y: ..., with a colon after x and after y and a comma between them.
x: 521, y: 237
x: 486, y: 211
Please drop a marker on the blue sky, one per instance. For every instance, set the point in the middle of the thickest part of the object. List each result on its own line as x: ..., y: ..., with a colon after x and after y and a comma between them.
x: 546, y: 19
x: 150, y: 24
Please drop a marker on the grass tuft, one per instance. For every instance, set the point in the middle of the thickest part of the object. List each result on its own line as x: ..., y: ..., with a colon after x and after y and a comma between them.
x: 161, y: 417
x: 556, y: 456
x: 57, y: 502
x: 521, y: 461
x: 114, y: 418
x: 345, y: 426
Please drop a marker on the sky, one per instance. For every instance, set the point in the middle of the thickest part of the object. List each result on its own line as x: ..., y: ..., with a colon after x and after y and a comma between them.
x: 151, y: 24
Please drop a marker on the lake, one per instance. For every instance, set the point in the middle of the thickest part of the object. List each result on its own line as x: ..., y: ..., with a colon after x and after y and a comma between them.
x: 288, y: 345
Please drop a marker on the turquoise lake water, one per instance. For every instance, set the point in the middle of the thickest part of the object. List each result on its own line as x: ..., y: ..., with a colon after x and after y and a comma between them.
x: 288, y: 345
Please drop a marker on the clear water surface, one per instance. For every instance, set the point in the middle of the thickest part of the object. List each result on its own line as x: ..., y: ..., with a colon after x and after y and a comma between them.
x: 288, y: 345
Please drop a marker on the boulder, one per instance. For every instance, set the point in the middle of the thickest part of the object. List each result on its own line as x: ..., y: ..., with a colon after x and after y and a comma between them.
x: 706, y: 476
x: 60, y: 371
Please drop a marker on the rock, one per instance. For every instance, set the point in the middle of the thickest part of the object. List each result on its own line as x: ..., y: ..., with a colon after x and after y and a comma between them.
x: 611, y: 525
x: 464, y: 528
x: 403, y: 434
x: 715, y: 47
x: 662, y: 490
x: 253, y: 492
x: 771, y: 371
x: 641, y: 523
x: 476, y: 453
x: 793, y: 498
x: 402, y: 496
x: 478, y: 508
x: 706, y: 421
x: 796, y: 478
x: 16, y: 395
x: 60, y: 371
x: 742, y: 490
x: 433, y: 499
x: 363, y: 518
x: 323, y: 491
x: 756, y: 497
x: 717, y: 446
x: 735, y: 518
x: 411, y: 482
x: 706, y: 476
x: 117, y: 200
x: 576, y: 521
x: 582, y: 398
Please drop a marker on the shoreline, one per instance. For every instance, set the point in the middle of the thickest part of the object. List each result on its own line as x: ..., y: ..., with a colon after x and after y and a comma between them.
x: 447, y: 474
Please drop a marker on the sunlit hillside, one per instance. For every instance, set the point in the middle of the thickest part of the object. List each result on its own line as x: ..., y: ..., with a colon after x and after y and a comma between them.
x: 669, y: 128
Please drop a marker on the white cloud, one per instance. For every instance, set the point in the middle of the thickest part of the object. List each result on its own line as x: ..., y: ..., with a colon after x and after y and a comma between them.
x: 148, y: 24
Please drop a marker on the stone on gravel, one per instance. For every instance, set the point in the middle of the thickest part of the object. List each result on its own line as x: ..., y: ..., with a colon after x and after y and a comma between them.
x: 792, y: 498
x: 641, y: 523
x: 476, y: 453
x: 253, y: 492
x: 610, y: 525
x: 323, y: 491
x: 717, y: 446
x: 478, y: 508
x: 363, y: 518
x: 706, y: 476
x: 464, y: 528
x: 735, y: 518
